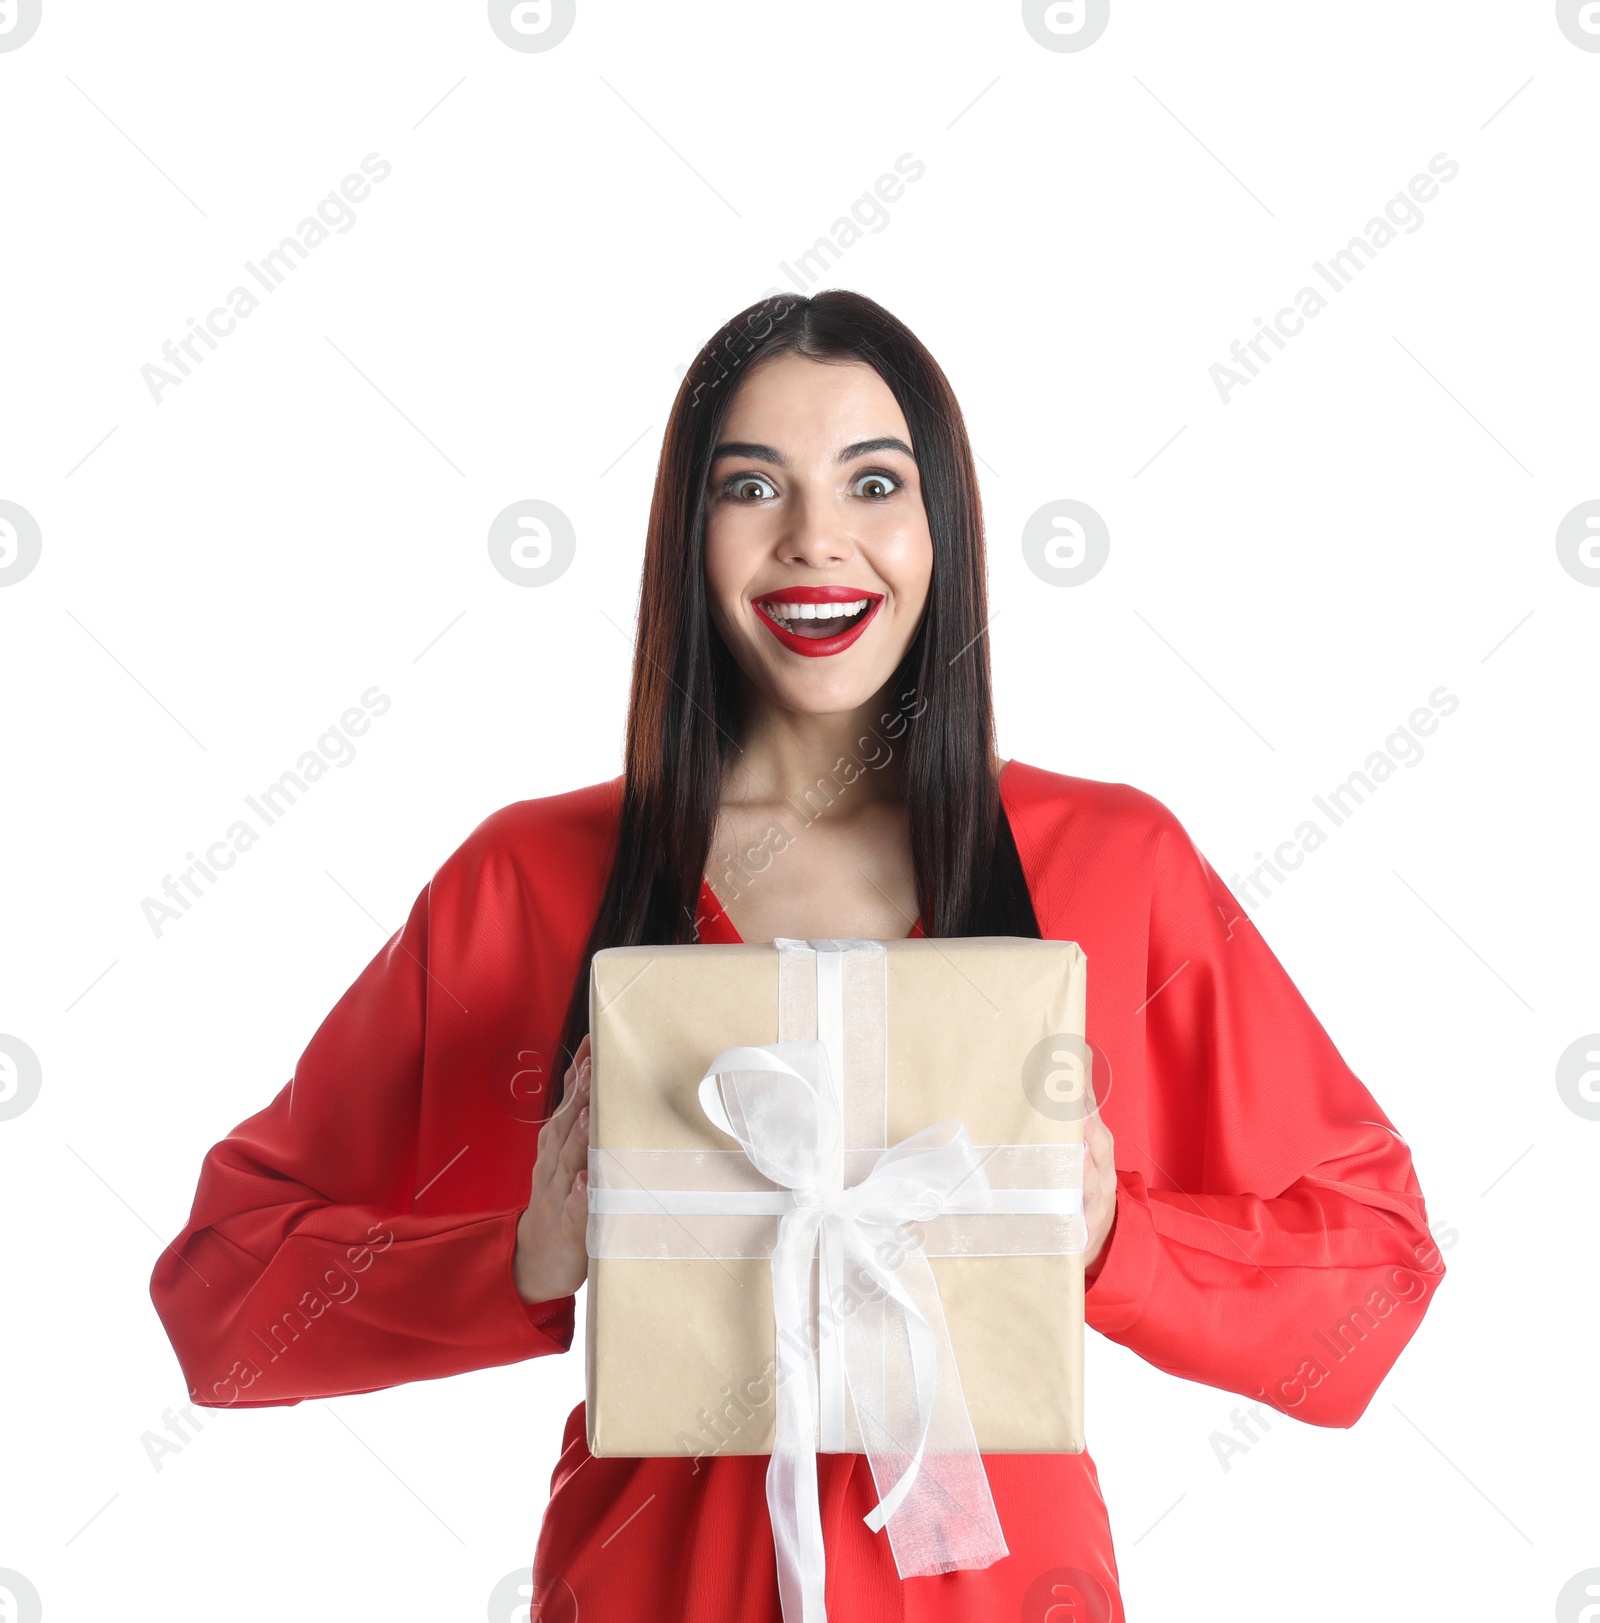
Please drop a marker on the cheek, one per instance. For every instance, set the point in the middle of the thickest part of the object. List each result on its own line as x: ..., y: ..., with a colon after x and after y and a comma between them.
x: 727, y: 569
x: 906, y: 560
x: 716, y: 555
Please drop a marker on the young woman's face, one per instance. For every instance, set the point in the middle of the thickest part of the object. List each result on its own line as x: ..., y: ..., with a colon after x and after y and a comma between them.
x: 818, y: 556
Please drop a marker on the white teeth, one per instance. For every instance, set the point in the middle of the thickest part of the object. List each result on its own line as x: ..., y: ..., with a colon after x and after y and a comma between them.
x: 815, y: 611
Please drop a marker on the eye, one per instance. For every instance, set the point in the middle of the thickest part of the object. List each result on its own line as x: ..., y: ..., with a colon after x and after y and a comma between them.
x: 748, y: 487
x: 877, y: 485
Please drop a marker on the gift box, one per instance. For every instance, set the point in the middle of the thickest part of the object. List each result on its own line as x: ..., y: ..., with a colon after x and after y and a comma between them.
x: 836, y: 1205
x: 682, y: 1343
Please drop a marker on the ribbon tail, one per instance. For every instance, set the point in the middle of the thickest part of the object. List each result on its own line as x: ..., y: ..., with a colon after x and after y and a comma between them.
x: 792, y: 1497
x: 925, y: 1380
x: 934, y: 1496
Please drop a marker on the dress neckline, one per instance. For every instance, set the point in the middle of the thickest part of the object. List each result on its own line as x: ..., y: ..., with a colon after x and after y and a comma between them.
x: 714, y: 927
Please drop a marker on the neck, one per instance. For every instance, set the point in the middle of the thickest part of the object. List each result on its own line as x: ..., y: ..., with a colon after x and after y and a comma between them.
x: 784, y: 753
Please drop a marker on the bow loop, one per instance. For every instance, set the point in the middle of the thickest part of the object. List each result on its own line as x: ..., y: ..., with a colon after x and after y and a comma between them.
x: 915, y: 1180
x: 778, y: 1102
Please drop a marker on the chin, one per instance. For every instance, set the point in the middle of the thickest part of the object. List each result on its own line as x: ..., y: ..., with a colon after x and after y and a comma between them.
x: 833, y: 695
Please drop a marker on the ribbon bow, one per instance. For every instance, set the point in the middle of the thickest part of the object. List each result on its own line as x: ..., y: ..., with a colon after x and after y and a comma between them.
x: 887, y: 1327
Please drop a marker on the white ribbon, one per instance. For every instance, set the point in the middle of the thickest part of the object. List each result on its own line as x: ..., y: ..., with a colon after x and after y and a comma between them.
x: 888, y: 1344
x: 894, y: 1347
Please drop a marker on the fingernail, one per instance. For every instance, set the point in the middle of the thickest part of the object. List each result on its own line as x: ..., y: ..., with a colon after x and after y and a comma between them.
x: 583, y: 1117
x: 583, y: 1073
x: 582, y: 1180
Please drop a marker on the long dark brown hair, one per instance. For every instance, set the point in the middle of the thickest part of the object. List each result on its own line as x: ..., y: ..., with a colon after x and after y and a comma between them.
x: 684, y: 708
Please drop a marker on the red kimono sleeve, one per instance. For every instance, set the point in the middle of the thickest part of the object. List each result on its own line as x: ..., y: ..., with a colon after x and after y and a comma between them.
x: 1270, y: 1237
x: 305, y: 1269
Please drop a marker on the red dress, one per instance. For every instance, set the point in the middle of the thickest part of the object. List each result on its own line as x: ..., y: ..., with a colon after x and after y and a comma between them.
x: 359, y: 1231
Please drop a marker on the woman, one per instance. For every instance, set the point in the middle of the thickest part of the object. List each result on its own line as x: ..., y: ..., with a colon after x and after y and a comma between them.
x: 810, y: 719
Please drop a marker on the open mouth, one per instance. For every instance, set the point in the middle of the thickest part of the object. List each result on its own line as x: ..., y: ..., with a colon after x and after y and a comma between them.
x: 817, y: 620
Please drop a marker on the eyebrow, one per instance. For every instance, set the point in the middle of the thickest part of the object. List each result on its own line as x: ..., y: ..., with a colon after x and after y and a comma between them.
x: 766, y: 453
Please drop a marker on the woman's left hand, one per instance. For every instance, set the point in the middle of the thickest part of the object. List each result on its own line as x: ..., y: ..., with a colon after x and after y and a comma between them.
x: 1099, y: 1187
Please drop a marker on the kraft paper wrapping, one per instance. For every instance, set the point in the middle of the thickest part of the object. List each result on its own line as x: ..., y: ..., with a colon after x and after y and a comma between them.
x: 681, y: 1353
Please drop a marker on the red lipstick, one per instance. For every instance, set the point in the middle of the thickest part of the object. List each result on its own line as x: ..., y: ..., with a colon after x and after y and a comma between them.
x: 814, y: 635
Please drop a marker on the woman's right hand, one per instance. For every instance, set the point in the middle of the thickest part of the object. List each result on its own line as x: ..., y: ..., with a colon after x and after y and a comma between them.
x: 551, y: 1258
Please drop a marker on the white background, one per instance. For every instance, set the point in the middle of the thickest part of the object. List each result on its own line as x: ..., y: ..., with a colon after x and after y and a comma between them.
x: 1371, y: 518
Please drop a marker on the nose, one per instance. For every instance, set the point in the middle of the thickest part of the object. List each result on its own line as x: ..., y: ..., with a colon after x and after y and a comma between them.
x: 816, y: 537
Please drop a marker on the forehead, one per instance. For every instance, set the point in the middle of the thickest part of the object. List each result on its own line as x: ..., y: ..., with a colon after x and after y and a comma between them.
x: 792, y: 397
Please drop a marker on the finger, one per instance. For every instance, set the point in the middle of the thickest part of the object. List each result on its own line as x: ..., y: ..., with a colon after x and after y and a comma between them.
x: 1105, y: 1211
x: 575, y: 1151
x: 1097, y: 1136
x: 575, y: 1075
x: 1104, y: 1168
x: 579, y: 1101
x: 574, y: 1086
x: 576, y: 1070
x: 547, y: 1168
x: 575, y: 1209
x: 568, y: 1148
x: 1101, y: 1168
x: 558, y: 1127
x: 1105, y: 1192
x: 1103, y: 1147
